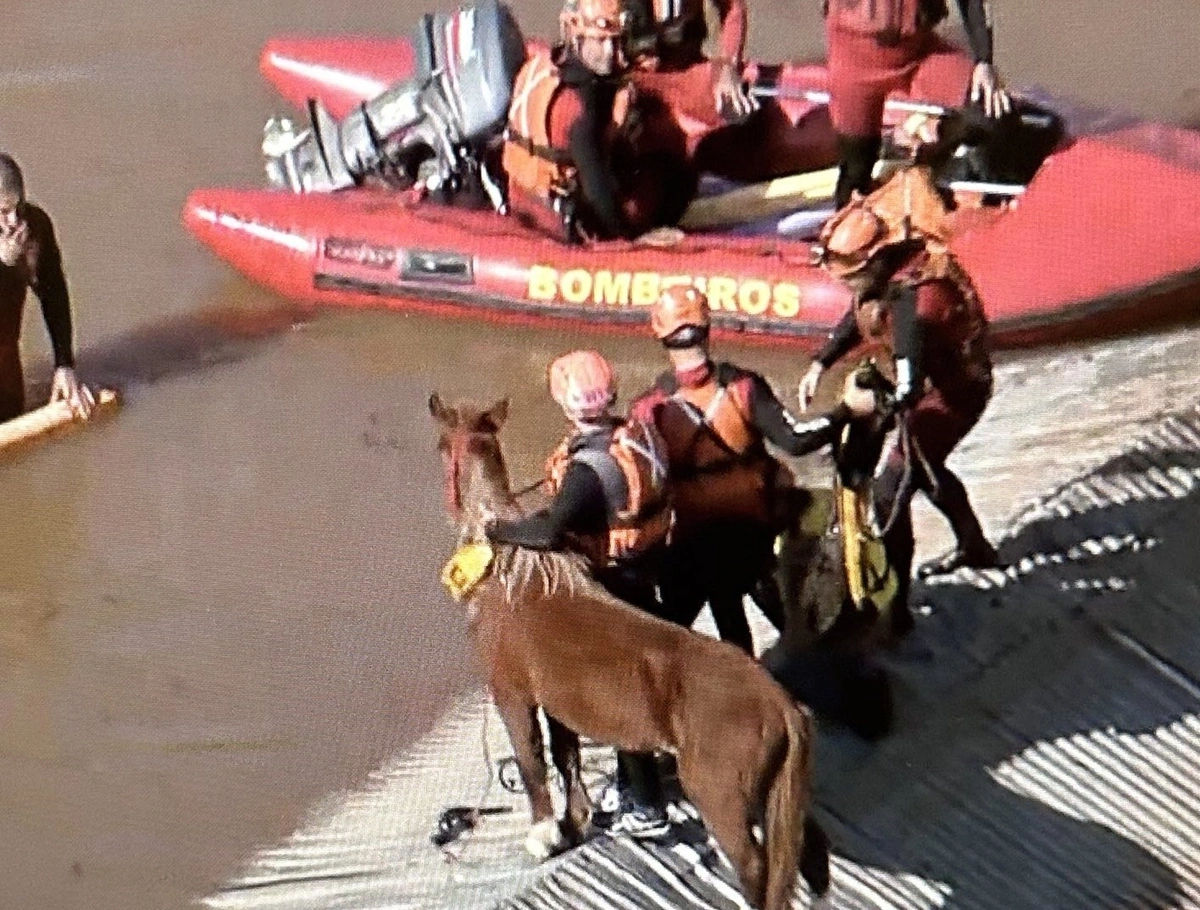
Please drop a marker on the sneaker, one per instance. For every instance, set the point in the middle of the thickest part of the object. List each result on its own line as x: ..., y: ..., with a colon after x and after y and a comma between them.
x: 608, y: 808
x: 611, y: 798
x: 681, y: 814
x: 641, y: 822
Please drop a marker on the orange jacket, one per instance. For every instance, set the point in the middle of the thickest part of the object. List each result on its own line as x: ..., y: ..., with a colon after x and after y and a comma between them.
x: 535, y: 156
x: 720, y: 468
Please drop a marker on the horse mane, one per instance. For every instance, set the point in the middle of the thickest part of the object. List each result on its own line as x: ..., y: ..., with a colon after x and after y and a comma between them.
x: 523, y: 573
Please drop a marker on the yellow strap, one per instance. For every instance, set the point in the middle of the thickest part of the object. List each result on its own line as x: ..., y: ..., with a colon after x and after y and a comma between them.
x: 868, y: 572
x: 470, y: 565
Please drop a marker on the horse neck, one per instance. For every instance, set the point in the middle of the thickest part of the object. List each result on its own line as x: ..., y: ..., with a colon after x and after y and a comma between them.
x: 486, y: 490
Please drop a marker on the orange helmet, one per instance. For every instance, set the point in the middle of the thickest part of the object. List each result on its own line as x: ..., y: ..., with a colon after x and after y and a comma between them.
x: 593, y: 19
x: 583, y: 384
x: 680, y: 306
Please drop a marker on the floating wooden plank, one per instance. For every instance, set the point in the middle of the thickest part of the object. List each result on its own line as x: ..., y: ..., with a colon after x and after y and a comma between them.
x: 52, y: 418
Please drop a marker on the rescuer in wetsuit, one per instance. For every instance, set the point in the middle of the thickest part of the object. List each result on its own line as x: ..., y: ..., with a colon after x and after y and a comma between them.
x: 708, y: 99
x: 667, y: 36
x: 570, y: 149
x: 891, y: 45
x: 914, y: 301
x: 30, y: 259
x: 730, y: 494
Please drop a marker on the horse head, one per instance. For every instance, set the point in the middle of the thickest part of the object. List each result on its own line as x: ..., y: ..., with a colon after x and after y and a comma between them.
x: 476, y: 477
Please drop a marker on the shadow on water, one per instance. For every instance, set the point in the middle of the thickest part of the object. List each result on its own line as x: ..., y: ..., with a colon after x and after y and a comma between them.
x: 1090, y: 638
x: 216, y: 334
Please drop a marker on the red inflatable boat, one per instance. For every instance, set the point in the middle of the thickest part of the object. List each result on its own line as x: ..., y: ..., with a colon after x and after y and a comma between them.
x: 1105, y: 238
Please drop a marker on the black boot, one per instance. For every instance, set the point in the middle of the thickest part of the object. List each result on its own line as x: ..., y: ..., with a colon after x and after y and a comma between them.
x: 978, y: 555
x: 856, y: 158
x: 972, y: 550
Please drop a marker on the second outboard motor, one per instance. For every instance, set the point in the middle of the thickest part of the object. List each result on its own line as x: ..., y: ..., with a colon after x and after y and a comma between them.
x: 433, y: 127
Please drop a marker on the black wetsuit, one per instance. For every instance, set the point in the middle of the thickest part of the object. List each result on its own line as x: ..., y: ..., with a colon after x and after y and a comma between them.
x: 975, y: 24
x: 719, y: 562
x: 39, y: 269
x: 581, y: 507
x: 589, y: 141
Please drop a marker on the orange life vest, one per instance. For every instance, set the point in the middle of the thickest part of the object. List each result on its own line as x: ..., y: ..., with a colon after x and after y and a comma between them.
x: 529, y: 159
x: 889, y: 20
x: 633, y: 473
x: 719, y: 467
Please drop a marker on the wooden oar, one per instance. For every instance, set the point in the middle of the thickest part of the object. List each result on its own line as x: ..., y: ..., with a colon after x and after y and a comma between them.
x: 785, y: 195
x: 760, y: 200
x: 51, y: 417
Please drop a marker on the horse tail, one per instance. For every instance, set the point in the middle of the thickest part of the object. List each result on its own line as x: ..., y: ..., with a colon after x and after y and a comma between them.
x: 787, y: 806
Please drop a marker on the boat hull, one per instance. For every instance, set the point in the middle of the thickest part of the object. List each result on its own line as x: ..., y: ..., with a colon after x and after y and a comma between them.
x: 1104, y: 239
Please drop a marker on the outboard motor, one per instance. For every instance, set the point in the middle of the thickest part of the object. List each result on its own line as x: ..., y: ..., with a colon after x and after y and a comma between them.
x: 433, y: 128
x: 973, y: 147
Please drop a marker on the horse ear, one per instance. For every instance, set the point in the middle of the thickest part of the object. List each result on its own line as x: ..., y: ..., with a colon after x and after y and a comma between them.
x: 493, y: 418
x: 441, y: 412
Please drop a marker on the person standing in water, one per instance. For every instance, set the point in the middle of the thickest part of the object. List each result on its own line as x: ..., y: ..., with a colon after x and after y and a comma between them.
x: 30, y: 259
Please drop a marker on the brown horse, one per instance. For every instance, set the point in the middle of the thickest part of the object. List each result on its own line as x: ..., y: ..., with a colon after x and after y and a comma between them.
x: 548, y: 636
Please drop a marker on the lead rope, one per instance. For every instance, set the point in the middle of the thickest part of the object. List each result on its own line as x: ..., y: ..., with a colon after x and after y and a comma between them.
x: 478, y: 810
x: 529, y: 488
x: 912, y: 449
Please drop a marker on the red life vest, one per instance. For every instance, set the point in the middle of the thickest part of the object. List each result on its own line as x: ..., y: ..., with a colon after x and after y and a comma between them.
x: 719, y: 467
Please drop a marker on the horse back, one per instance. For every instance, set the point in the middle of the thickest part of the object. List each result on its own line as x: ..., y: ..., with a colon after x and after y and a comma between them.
x: 612, y: 672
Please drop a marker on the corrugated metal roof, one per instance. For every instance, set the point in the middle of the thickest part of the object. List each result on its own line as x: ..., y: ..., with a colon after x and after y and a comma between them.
x: 1047, y: 755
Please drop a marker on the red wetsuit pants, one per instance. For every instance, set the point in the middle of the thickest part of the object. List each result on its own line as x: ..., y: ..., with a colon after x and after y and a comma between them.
x: 862, y: 73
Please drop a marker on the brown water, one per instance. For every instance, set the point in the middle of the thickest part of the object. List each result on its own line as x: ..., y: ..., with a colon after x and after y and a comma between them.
x: 223, y: 605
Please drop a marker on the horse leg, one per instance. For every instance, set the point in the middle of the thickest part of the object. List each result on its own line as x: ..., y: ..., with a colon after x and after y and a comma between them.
x: 729, y: 822
x: 525, y: 733
x: 564, y: 750
x: 728, y: 815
